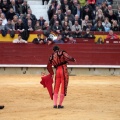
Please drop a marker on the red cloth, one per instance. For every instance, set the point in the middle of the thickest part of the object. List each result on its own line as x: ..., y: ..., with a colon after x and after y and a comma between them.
x: 47, y: 82
x: 114, y: 36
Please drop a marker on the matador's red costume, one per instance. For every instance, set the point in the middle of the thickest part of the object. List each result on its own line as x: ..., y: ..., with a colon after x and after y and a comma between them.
x: 59, y: 60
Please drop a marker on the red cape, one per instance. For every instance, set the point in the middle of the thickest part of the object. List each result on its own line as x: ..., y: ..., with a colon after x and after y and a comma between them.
x: 47, y: 82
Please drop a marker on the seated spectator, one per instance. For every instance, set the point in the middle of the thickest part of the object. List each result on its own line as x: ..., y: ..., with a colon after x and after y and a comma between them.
x: 66, y: 20
x: 66, y: 26
x: 106, y: 24
x: 70, y: 16
x: 111, y: 35
x: 38, y: 40
x: 99, y: 26
x: 9, y: 26
x: 37, y: 26
x: 71, y: 40
x: 88, y: 34
x: 41, y: 21
x: 2, y: 27
x: 59, y: 39
x: 77, y: 19
x: 10, y: 14
x: 4, y: 20
x: 66, y: 35
x: 76, y: 29
x: 84, y: 22
x: 46, y: 29
x: 99, y: 16
x: 53, y: 20
x: 115, y: 26
x: 100, y: 40
x: 15, y: 19
x: 29, y: 26
x: 19, y: 40
x: 57, y: 28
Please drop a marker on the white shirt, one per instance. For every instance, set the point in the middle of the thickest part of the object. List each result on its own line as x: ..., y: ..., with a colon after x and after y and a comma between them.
x: 19, y: 41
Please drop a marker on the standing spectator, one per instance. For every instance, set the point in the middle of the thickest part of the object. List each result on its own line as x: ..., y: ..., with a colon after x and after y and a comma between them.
x: 19, y: 40
x: 57, y: 27
x: 65, y: 6
x: 74, y: 6
x: 76, y: 29
x: 5, y: 7
x: 51, y: 10
x: 111, y: 35
x: 15, y: 7
x: 33, y: 17
x: 53, y: 20
x: 60, y: 15
x: 25, y: 7
x: 10, y: 14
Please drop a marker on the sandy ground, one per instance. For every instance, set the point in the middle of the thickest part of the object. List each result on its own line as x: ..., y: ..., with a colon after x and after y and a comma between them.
x: 89, y: 98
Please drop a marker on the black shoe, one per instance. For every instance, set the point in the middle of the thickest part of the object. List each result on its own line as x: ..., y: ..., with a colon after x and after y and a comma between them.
x: 55, y: 106
x: 60, y: 106
x: 1, y: 107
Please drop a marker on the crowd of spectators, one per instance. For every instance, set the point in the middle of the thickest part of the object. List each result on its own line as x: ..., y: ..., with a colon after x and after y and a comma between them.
x: 68, y: 19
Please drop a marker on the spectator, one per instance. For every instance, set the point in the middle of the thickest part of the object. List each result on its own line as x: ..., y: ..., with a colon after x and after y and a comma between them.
x: 71, y: 40
x: 59, y: 39
x: 38, y: 40
x: 5, y: 7
x: 70, y: 16
x: 106, y: 24
x: 19, y: 40
x: 33, y: 17
x: 53, y: 20
x: 65, y: 6
x: 49, y: 41
x: 115, y: 26
x: 19, y: 26
x: 82, y: 2
x: 41, y: 21
x: 10, y: 14
x: 88, y: 34
x: 2, y: 27
x: 111, y: 35
x: 15, y: 7
x: 92, y: 3
x: 51, y: 10
x: 4, y: 20
x: 84, y: 22
x: 46, y: 29
x: 78, y: 19
x: 66, y: 35
x: 99, y: 26
x: 76, y: 29
x: 30, y: 26
x: 66, y: 26
x: 37, y: 26
x: 25, y: 7
x: 0, y: 12
x: 100, y: 40
x: 57, y: 27
x: 68, y: 21
x: 9, y: 26
x: 60, y: 15
x: 74, y: 6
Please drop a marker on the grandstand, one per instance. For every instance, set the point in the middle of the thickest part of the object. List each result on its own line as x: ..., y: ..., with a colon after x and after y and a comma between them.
x: 92, y: 58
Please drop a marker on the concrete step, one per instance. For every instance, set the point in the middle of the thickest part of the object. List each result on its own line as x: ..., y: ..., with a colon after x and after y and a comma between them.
x: 38, y: 9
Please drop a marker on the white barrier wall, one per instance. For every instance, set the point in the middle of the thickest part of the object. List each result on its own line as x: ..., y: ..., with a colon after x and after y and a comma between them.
x: 72, y: 71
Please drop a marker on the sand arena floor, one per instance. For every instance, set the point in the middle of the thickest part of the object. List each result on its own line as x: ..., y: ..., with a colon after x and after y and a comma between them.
x: 89, y: 98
